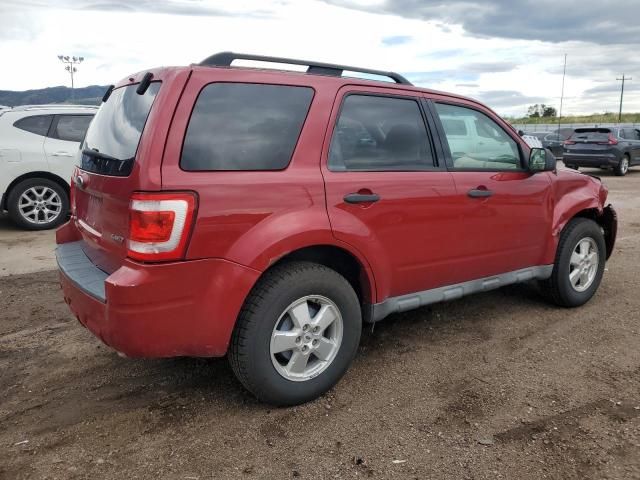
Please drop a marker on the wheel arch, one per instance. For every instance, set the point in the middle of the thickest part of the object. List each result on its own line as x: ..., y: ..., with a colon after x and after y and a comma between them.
x: 608, y: 221
x: 36, y: 174
x: 344, y: 261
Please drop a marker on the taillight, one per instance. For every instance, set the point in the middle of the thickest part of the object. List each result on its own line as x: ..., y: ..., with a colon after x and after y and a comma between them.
x: 611, y: 140
x: 159, y: 225
x: 569, y: 142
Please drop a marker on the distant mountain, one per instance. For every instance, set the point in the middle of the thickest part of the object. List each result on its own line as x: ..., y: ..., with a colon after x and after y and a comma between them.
x: 85, y: 96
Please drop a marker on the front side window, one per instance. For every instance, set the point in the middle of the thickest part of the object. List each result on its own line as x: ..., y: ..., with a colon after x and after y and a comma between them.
x: 71, y: 127
x: 243, y: 126
x: 380, y: 134
x: 481, y: 145
x: 38, y: 124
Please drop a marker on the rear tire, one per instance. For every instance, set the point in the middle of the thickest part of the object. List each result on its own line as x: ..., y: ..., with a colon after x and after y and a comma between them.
x: 623, y: 166
x: 283, y: 348
x: 38, y: 204
x: 579, y: 264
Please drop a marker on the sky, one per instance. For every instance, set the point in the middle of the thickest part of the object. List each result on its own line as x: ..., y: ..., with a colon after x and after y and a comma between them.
x: 507, y: 53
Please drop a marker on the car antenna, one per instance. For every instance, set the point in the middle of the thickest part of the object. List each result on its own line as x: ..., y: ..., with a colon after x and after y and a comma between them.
x: 144, y: 83
x: 107, y: 94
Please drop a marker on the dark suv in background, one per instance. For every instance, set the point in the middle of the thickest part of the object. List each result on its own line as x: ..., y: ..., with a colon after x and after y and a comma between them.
x: 616, y: 147
x: 552, y: 140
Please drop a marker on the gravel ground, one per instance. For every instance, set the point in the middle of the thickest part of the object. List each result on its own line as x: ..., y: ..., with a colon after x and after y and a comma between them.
x: 497, y: 385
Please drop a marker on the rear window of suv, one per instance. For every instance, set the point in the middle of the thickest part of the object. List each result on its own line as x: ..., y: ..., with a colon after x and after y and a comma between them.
x: 241, y: 126
x: 112, y: 138
x: 591, y: 135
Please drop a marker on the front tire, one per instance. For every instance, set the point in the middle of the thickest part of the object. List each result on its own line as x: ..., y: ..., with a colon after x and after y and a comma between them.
x: 297, y: 333
x: 579, y: 265
x: 623, y: 166
x: 38, y: 204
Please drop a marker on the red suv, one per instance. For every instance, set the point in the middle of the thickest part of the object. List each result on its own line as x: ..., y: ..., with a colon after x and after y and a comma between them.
x: 267, y: 214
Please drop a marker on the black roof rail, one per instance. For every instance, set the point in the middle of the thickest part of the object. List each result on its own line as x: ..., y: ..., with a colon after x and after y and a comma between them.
x: 224, y: 59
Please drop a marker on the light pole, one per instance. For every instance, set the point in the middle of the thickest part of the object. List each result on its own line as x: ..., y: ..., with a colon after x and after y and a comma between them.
x: 564, y: 73
x: 624, y: 79
x: 70, y: 66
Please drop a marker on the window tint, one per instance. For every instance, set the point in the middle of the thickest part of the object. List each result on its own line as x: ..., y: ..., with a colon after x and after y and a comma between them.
x: 38, y: 124
x: 116, y: 129
x: 71, y: 127
x: 241, y: 126
x: 484, y: 145
x: 378, y: 134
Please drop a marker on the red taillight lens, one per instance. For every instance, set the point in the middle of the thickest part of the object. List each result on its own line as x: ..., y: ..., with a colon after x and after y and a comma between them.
x: 159, y: 225
x: 150, y: 226
x: 569, y: 142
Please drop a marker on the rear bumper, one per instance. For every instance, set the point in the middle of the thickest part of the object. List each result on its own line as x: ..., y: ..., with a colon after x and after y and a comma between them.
x: 590, y: 160
x: 163, y: 310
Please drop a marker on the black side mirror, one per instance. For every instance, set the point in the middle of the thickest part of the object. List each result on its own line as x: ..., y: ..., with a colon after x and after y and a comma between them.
x: 520, y: 132
x: 541, y: 160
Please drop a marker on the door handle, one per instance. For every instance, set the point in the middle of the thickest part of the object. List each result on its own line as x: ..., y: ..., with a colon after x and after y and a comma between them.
x: 361, y: 197
x: 62, y: 154
x: 479, y: 193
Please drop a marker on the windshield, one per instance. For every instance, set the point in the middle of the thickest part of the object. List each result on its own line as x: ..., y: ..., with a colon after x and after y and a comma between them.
x: 116, y: 129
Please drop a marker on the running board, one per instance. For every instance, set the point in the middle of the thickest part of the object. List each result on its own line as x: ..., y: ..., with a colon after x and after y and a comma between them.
x: 452, y: 292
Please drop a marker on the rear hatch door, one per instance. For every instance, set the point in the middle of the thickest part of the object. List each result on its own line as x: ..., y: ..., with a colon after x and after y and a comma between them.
x: 121, y: 154
x: 594, y: 141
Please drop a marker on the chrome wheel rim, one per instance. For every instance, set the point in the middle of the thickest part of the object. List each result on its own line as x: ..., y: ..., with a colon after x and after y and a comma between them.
x: 583, y: 265
x: 40, y: 205
x: 306, y: 338
x: 625, y: 165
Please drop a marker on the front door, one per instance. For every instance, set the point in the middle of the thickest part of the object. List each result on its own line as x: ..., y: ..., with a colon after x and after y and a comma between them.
x: 387, y: 196
x: 506, y: 212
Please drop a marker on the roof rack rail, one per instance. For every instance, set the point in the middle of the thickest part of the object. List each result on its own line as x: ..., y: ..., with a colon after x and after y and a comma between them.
x: 224, y: 59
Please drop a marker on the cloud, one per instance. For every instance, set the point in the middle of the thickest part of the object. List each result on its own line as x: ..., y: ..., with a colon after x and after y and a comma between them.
x: 612, y: 88
x: 396, y: 40
x: 545, y: 20
x: 170, y: 7
x: 467, y: 85
x: 507, y: 98
x: 489, y: 67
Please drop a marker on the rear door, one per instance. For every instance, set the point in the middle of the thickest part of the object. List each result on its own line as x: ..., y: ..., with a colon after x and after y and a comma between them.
x: 505, y: 214
x: 387, y: 195
x: 62, y: 142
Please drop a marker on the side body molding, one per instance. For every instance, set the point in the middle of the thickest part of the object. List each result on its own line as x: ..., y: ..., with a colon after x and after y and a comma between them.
x: 452, y: 292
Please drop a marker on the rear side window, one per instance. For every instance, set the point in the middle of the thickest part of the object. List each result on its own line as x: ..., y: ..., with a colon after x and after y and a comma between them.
x: 380, y: 134
x: 241, y: 126
x: 71, y: 127
x: 38, y: 124
x: 112, y: 139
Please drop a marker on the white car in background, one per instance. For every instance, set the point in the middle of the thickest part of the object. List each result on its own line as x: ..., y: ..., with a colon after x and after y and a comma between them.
x: 38, y: 149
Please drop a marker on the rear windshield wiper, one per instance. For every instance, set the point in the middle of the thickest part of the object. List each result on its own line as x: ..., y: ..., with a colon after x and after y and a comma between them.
x: 102, y: 156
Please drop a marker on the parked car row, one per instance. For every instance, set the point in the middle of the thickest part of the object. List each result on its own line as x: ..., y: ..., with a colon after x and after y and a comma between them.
x: 38, y: 151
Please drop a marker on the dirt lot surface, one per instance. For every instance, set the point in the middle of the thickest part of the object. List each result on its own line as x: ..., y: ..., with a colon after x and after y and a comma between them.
x: 498, y: 385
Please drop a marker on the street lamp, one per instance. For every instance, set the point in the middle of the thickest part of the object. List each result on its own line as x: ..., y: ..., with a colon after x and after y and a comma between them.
x: 70, y: 66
